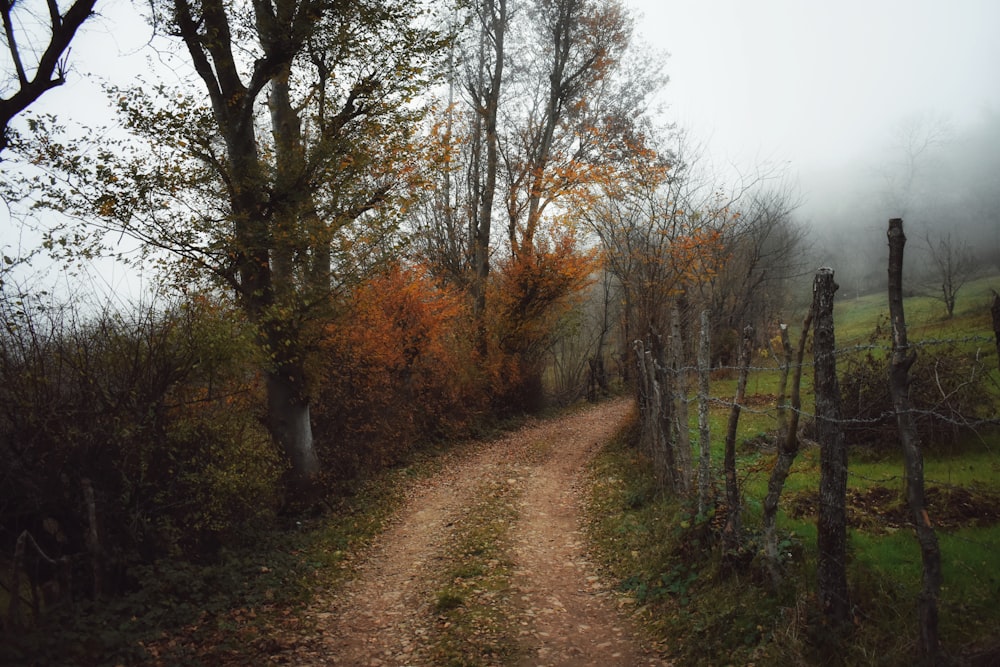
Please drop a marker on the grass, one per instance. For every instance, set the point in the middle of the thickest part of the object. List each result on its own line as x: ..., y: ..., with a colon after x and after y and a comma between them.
x: 708, y: 608
x: 925, y: 315
x: 232, y: 610
x: 472, y: 626
x: 705, y: 610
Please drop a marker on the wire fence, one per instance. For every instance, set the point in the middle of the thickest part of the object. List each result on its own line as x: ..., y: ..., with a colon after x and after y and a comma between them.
x: 968, y: 424
x: 753, y: 406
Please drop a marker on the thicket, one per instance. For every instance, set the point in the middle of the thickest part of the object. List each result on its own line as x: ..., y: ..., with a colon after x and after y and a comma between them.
x: 394, y: 369
x: 950, y: 391
x: 141, y: 435
x: 125, y: 437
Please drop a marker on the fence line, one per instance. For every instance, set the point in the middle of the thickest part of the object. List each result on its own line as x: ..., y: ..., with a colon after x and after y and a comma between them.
x: 853, y: 349
x: 952, y: 419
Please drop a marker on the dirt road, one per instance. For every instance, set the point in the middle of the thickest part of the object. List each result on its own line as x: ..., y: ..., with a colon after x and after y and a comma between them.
x: 485, y: 565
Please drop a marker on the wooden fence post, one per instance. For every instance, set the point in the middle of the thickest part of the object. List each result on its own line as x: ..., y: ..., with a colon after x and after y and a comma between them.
x: 732, y: 533
x: 655, y: 411
x: 682, y: 454
x: 704, y: 439
x: 788, y: 449
x: 832, y: 521
x: 786, y: 366
x: 902, y: 359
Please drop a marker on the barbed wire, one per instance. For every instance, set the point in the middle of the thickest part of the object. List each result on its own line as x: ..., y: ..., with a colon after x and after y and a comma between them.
x: 771, y: 412
x: 952, y: 418
x: 841, y: 352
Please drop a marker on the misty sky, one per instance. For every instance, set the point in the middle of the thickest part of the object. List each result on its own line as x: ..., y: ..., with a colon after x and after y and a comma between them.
x: 815, y: 84
x: 809, y: 85
x: 810, y: 82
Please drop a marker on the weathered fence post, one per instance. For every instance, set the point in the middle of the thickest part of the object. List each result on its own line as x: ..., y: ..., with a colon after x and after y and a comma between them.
x: 995, y: 312
x: 733, y: 529
x: 788, y: 449
x: 902, y: 359
x: 682, y: 455
x: 832, y: 522
x: 786, y: 366
x: 704, y: 435
x: 655, y: 412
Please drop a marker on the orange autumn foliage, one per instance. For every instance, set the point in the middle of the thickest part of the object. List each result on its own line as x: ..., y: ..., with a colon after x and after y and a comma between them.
x: 395, y: 370
x: 528, y: 296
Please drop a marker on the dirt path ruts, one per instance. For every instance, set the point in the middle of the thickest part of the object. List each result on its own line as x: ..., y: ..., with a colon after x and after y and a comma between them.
x: 564, y: 613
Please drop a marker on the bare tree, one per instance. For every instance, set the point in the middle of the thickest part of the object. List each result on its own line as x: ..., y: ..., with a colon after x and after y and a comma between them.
x: 36, y: 71
x: 913, y: 148
x: 953, y: 266
x: 763, y: 248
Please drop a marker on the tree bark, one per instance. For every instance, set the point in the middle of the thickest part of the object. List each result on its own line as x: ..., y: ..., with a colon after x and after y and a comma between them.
x: 682, y: 449
x: 788, y: 449
x: 902, y: 359
x: 832, y: 522
x: 289, y: 422
x: 495, y: 14
x: 733, y: 529
x: 704, y: 435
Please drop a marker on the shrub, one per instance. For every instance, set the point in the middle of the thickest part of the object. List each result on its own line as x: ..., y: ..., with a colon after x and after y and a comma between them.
x: 528, y: 297
x: 949, y: 389
x: 395, y: 369
x: 152, y: 411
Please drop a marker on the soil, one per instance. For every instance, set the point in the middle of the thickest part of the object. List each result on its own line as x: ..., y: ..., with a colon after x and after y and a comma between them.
x: 880, y: 509
x: 560, y: 610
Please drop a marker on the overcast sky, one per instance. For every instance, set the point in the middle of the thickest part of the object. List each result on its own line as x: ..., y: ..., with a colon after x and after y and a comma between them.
x: 812, y: 82
x: 819, y: 83
x: 811, y: 85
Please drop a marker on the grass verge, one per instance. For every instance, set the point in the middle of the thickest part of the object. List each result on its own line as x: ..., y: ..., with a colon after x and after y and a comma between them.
x: 238, y: 609
x: 706, y: 608
x: 472, y: 627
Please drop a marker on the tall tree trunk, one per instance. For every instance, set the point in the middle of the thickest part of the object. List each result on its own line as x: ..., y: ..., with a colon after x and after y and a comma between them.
x: 495, y: 13
x: 233, y: 105
x: 832, y: 523
x: 902, y: 359
x: 294, y: 219
x: 733, y: 529
x: 788, y: 449
x: 289, y: 422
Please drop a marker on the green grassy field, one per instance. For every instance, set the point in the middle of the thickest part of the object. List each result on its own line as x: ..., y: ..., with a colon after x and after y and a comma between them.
x: 709, y: 609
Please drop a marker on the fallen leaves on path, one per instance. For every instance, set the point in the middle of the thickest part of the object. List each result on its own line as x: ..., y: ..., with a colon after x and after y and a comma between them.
x: 486, y: 564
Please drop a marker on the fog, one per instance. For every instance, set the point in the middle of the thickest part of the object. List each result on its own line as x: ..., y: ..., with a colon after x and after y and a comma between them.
x: 823, y: 93
x: 840, y: 97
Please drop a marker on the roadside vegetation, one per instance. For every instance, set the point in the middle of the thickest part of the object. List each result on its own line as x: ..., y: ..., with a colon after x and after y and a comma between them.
x: 375, y: 230
x: 705, y: 606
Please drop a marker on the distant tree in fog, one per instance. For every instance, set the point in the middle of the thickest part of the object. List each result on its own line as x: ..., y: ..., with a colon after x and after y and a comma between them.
x: 953, y: 265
